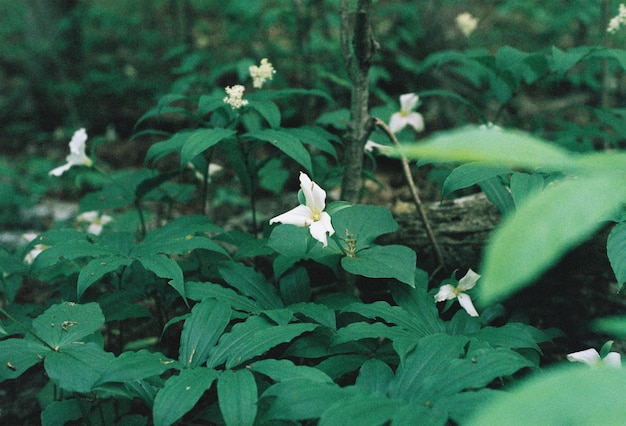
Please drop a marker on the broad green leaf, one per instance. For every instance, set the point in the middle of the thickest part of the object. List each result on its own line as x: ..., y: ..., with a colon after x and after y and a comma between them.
x: 237, y: 397
x: 165, y: 267
x: 362, y: 409
x: 78, y: 367
x: 614, y: 326
x: 543, y: 229
x: 174, y: 144
x: 578, y: 396
x: 273, y: 176
x: 18, y: 355
x: 62, y: 412
x: 198, y: 291
x: 285, y: 142
x: 363, y: 224
x: 181, y: 393
x: 390, y: 314
x: 201, y: 140
x: 290, y: 240
x: 507, y: 148
x: 563, y: 61
x: 131, y: 366
x: 512, y: 335
x: 283, y: 369
x: 250, y: 283
x: 498, y: 194
x: 522, y: 66
x: 206, y: 324
x: 96, y: 269
x: 295, y: 286
x: 374, y: 376
x: 252, y: 338
x: 316, y: 137
x: 364, y: 330
x: 616, y: 250
x: 470, y: 174
x: 392, y: 261
x: 300, y: 399
x: 118, y: 192
x: 337, y: 366
x: 268, y: 110
x: 63, y: 325
x: 524, y: 185
x: 317, y: 312
x: 420, y: 307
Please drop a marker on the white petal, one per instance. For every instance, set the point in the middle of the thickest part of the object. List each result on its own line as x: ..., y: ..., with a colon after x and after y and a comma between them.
x: 397, y: 122
x: 60, y: 170
x: 408, y: 102
x: 314, y: 195
x: 468, y: 281
x: 446, y: 292
x: 89, y: 216
x: 589, y: 356
x: 299, y: 216
x: 613, y: 359
x: 95, y: 228
x: 328, y: 226
x: 77, y: 144
x: 318, y: 231
x: 106, y: 219
x: 416, y: 121
x: 466, y: 303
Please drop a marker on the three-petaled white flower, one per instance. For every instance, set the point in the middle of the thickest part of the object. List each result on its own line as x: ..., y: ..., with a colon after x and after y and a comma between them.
x: 406, y: 115
x: 95, y: 220
x: 77, y: 156
x: 592, y: 358
x: 449, y: 292
x: 311, y: 213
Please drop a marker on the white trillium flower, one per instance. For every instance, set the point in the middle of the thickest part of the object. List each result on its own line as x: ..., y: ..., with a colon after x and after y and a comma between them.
x: 450, y: 292
x: 592, y: 358
x: 95, y: 220
x: 311, y: 213
x: 36, y: 250
x: 77, y: 156
x: 406, y: 115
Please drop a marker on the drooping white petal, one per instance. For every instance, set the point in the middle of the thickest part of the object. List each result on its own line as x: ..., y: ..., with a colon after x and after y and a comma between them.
x: 468, y: 281
x: 314, y: 195
x: 299, y: 216
x: 613, y: 359
x: 466, y: 303
x: 416, y: 121
x: 397, y: 122
x: 87, y: 216
x: 408, y: 102
x: 60, y: 170
x: 318, y: 231
x: 588, y: 356
x: 446, y: 292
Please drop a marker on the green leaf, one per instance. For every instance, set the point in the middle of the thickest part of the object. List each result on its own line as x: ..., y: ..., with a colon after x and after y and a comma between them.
x: 96, y: 269
x: 18, y: 355
x: 524, y: 185
x: 420, y: 307
x: 252, y: 338
x: 470, y: 174
x: 363, y: 223
x: 577, y: 395
x: 206, y: 324
x: 268, y: 110
x: 165, y: 267
x: 616, y: 250
x: 290, y: 240
x: 174, y: 144
x: 250, y: 283
x: 563, y: 61
x: 201, y: 140
x: 543, y: 229
x: 362, y: 410
x: 65, y: 324
x: 237, y: 397
x: 390, y: 314
x: 285, y: 142
x: 78, y: 367
x: 283, y: 369
x: 364, y: 330
x: 615, y: 326
x: 498, y: 194
x: 511, y: 335
x: 392, y: 261
x: 374, y: 376
x: 508, y: 148
x: 337, y: 366
x: 180, y: 394
x: 295, y: 286
x: 62, y: 412
x: 316, y: 137
x: 198, y: 291
x: 131, y: 366
x: 300, y: 399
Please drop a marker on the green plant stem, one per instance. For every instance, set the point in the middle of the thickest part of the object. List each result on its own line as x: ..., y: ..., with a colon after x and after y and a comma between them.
x: 25, y: 328
x: 416, y: 197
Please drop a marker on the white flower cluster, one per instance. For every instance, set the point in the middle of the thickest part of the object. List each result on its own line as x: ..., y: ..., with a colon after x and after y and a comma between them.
x: 618, y: 20
x: 263, y: 72
x: 466, y: 23
x: 235, y: 96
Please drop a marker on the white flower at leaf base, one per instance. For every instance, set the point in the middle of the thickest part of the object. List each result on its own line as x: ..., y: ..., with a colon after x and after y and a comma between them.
x: 618, y: 20
x: 311, y: 213
x: 371, y: 146
x: 77, y: 156
x: 235, y: 96
x: 406, y: 116
x: 450, y: 292
x: 95, y: 221
x: 592, y: 358
x: 265, y: 71
x: 35, y: 251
